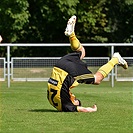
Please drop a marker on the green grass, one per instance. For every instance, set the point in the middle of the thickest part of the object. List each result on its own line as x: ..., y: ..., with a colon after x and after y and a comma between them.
x: 25, y: 109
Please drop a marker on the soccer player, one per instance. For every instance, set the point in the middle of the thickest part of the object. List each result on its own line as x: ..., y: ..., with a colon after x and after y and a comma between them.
x: 1, y: 39
x: 69, y: 71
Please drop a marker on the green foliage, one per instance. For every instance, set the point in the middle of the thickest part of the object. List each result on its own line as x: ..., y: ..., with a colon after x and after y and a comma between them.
x: 43, y: 21
x: 67, y: 6
x: 92, y: 19
x: 129, y: 2
x: 119, y: 20
x: 14, y: 16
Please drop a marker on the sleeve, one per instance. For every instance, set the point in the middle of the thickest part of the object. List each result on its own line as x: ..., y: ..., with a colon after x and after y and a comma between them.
x: 85, y: 78
x: 69, y: 108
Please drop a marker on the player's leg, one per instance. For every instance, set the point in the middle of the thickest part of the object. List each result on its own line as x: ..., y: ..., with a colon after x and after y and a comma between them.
x: 105, y: 69
x: 69, y: 31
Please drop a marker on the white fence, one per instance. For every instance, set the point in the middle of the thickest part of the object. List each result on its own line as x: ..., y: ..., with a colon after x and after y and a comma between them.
x: 122, y: 74
x: 10, y: 71
x: 2, y: 69
x: 39, y: 69
x: 32, y: 68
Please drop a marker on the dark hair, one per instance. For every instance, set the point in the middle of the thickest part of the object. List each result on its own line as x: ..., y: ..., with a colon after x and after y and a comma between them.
x: 79, y: 102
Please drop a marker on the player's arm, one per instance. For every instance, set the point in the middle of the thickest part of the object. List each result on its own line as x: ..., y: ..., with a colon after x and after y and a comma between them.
x: 87, y: 109
x: 1, y: 39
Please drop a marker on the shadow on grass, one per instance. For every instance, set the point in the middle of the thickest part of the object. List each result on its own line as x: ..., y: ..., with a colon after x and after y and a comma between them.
x: 42, y: 110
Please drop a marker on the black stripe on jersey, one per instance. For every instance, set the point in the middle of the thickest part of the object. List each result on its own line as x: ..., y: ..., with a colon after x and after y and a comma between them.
x: 53, y: 81
x: 85, y: 78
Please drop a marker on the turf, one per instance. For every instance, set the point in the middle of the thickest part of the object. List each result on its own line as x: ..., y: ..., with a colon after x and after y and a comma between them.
x: 24, y: 109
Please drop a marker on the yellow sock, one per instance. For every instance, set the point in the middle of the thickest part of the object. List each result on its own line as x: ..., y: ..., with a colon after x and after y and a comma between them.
x: 75, y: 44
x: 105, y: 69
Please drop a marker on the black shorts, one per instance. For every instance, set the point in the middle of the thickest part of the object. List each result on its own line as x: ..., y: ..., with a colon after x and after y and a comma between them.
x: 75, y: 67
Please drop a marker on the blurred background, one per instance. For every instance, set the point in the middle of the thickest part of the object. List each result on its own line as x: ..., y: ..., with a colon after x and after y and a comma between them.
x: 44, y: 21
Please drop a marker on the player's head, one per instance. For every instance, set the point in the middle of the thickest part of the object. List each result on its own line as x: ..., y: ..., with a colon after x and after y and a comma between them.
x: 77, y: 102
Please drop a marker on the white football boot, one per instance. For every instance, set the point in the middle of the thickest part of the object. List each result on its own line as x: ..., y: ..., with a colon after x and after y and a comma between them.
x: 122, y: 62
x: 70, y: 26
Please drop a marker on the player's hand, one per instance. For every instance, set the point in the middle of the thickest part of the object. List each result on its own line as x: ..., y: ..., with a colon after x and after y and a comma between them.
x: 92, y: 109
x: 1, y: 38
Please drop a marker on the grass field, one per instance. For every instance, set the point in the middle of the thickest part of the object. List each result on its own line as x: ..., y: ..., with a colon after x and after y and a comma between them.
x: 25, y: 109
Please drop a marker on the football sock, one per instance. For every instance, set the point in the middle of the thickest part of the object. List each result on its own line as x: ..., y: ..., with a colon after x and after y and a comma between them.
x: 75, y: 44
x: 105, y: 69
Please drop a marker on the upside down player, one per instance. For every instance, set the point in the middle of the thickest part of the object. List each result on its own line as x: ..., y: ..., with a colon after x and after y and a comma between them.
x: 69, y: 71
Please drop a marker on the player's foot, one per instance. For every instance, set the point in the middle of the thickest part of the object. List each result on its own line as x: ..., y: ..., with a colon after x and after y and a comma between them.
x: 122, y: 62
x: 70, y: 26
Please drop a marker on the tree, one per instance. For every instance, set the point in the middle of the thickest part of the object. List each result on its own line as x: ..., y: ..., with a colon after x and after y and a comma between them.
x: 92, y: 18
x: 120, y: 18
x: 14, y: 16
x: 39, y: 21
